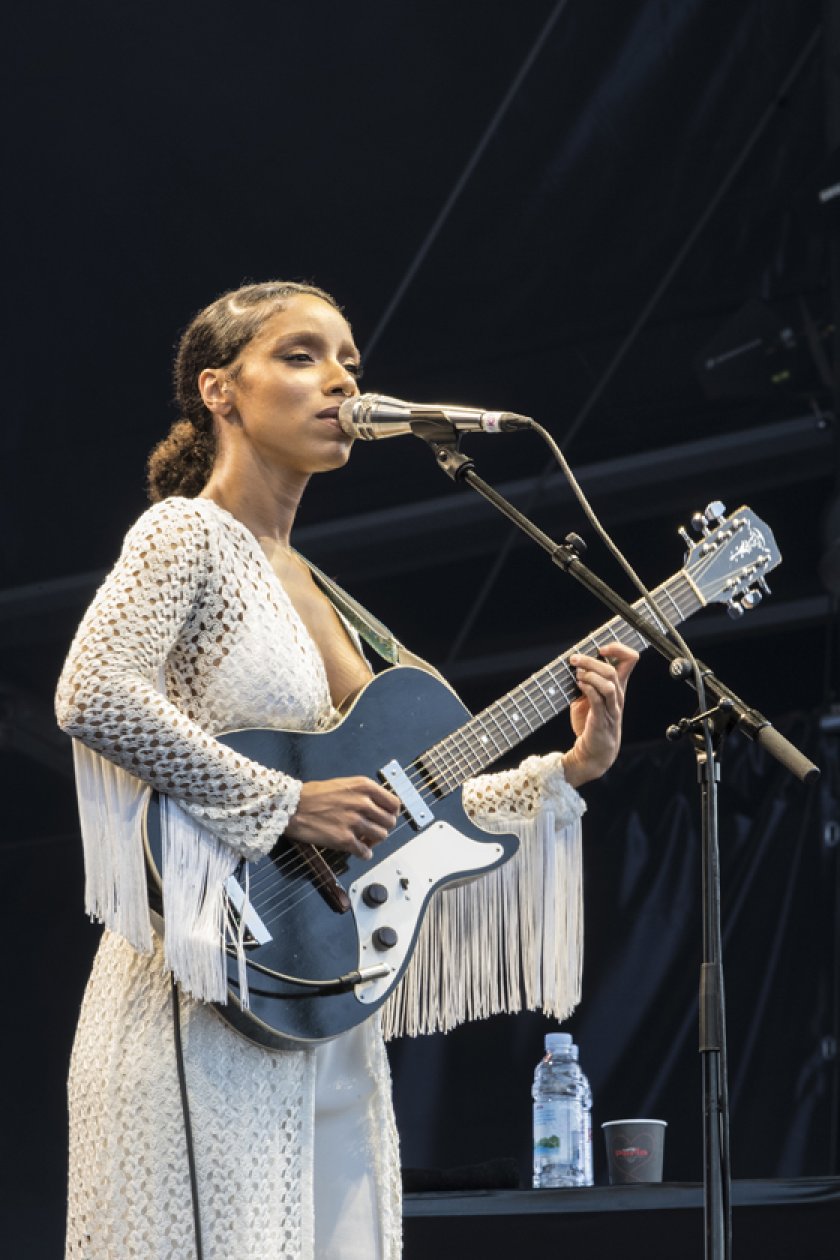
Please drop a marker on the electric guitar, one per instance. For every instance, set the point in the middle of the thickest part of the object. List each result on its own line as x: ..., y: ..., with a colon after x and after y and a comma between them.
x: 327, y: 935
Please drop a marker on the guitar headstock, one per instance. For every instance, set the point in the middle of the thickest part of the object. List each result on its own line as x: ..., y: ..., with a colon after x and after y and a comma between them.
x: 729, y: 562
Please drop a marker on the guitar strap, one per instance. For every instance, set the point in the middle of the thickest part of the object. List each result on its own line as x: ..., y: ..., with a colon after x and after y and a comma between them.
x: 373, y: 631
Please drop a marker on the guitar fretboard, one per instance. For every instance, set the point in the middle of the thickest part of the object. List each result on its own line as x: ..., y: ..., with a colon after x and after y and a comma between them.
x: 505, y: 723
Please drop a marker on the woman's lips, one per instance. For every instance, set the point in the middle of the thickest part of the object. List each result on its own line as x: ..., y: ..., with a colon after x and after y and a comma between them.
x: 330, y: 415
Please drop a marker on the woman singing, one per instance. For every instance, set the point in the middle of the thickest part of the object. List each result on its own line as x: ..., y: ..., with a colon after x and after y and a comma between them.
x: 209, y: 622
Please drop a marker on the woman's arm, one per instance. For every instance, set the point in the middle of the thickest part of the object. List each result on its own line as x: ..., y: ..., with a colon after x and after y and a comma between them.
x: 109, y: 694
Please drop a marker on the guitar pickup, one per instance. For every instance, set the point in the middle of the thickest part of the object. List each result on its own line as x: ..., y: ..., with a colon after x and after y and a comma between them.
x: 253, y: 923
x: 417, y: 811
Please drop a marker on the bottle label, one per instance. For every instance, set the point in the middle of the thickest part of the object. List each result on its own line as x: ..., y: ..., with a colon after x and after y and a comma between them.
x: 554, y: 1132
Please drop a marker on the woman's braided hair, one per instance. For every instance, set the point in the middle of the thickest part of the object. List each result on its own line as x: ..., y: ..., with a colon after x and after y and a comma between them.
x: 182, y: 462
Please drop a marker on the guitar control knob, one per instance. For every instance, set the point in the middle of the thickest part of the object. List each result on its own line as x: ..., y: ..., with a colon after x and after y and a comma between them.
x: 374, y: 895
x: 384, y: 938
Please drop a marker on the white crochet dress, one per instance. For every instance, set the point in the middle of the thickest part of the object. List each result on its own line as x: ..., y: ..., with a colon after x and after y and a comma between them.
x: 192, y: 634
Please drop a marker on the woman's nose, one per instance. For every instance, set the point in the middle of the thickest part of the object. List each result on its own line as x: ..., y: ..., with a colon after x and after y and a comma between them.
x: 343, y: 382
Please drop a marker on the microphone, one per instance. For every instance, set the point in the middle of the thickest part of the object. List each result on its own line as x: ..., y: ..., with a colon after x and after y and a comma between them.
x: 372, y: 416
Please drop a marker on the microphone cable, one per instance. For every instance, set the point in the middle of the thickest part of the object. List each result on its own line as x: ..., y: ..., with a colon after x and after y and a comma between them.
x: 660, y: 620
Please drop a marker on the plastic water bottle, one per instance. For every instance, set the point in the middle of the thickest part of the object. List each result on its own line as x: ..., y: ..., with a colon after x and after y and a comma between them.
x: 562, y: 1117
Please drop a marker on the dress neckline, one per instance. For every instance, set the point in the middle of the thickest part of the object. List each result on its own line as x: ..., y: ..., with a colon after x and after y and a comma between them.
x: 254, y: 542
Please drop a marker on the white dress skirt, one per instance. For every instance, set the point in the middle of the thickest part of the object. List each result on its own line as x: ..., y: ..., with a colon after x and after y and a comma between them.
x: 283, y: 1141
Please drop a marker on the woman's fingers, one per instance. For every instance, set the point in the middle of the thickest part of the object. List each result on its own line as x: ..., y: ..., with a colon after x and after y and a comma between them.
x: 383, y: 806
x: 596, y: 685
x: 350, y: 814
x: 597, y: 713
x: 613, y: 660
x: 606, y: 673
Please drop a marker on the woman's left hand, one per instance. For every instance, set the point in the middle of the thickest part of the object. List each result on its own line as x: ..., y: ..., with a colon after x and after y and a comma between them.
x: 597, y: 712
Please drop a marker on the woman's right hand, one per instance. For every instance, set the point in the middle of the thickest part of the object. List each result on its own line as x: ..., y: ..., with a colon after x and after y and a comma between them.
x: 347, y: 814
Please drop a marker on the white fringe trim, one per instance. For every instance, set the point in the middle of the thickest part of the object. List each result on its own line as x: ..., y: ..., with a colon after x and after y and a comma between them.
x: 196, y: 865
x: 111, y: 805
x: 195, y: 868
x: 508, y: 941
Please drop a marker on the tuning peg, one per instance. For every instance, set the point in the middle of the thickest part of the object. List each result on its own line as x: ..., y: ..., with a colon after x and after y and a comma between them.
x: 751, y: 600
x: 734, y: 609
x: 762, y: 582
x: 712, y: 518
x: 686, y: 537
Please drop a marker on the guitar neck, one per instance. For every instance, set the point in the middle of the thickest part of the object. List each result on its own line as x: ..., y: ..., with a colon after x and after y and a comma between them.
x: 504, y: 724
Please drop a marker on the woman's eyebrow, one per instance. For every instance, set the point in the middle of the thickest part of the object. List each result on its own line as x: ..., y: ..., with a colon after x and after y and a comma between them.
x: 300, y: 336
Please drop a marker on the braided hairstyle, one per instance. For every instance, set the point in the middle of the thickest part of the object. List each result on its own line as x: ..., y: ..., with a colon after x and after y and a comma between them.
x: 182, y: 462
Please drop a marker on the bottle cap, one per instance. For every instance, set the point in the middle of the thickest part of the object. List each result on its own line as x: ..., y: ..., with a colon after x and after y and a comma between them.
x: 558, y: 1041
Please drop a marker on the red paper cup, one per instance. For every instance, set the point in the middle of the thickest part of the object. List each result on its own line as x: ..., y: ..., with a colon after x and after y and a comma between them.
x: 634, y: 1150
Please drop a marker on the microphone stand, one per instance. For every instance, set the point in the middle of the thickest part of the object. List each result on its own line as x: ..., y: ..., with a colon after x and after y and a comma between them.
x: 707, y: 731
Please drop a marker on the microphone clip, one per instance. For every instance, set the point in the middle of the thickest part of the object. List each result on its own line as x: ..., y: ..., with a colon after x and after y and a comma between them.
x: 443, y: 438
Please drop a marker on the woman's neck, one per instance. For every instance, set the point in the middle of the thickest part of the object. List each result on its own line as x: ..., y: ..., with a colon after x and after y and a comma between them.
x: 266, y: 503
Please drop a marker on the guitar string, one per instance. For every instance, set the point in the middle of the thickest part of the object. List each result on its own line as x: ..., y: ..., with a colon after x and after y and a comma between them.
x: 298, y: 863
x: 616, y: 630
x: 612, y: 631
x: 462, y: 752
x: 609, y: 633
x: 466, y: 759
x: 289, y: 898
x: 525, y: 693
x: 433, y: 770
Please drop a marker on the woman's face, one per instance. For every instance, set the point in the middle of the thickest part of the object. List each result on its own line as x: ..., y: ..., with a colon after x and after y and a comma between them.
x: 287, y: 384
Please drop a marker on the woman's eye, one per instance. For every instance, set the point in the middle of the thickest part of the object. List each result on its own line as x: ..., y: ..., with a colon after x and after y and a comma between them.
x: 355, y: 369
x: 297, y: 356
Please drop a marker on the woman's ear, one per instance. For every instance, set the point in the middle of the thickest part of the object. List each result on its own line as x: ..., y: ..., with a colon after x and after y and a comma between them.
x: 215, y: 390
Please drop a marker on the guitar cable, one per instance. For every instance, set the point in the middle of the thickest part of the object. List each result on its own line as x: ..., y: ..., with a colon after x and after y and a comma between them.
x: 335, y: 982
x: 185, y: 1109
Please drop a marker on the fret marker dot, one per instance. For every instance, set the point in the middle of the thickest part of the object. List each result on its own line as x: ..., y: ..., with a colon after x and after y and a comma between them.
x: 516, y: 717
x: 551, y: 690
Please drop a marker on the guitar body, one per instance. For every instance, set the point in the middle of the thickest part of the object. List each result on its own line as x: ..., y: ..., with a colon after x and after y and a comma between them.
x: 397, y: 716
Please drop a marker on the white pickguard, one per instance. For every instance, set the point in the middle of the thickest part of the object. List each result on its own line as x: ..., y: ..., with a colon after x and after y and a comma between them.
x: 408, y: 875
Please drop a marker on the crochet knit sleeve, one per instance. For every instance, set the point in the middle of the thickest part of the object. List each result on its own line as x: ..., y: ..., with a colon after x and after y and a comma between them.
x: 109, y: 695
x: 495, y: 801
